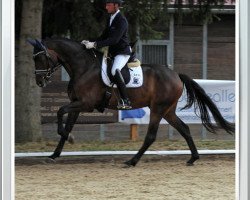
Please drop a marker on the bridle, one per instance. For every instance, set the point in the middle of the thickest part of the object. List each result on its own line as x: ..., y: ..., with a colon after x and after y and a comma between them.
x: 52, y: 65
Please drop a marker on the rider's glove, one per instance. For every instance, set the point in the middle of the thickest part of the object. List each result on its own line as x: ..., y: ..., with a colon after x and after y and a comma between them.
x: 90, y: 45
x: 84, y: 42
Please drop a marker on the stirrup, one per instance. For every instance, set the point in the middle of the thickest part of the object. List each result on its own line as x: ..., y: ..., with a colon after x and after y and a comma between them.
x: 124, y: 105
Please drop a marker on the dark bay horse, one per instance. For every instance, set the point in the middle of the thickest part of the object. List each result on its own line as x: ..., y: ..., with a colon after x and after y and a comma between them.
x: 160, y: 92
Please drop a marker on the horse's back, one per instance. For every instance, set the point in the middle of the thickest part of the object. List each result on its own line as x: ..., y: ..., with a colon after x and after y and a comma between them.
x: 161, y: 73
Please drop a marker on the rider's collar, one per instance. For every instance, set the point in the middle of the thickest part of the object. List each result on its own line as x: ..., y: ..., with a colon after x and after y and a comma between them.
x: 113, y: 15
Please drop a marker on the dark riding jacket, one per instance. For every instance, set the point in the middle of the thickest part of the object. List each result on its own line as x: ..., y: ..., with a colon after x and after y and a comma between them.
x: 115, y: 36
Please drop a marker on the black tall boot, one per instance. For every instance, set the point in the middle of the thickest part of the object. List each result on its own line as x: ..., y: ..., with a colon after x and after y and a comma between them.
x: 124, y: 103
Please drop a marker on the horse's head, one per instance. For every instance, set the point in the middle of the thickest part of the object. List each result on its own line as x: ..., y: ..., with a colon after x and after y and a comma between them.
x: 46, y: 62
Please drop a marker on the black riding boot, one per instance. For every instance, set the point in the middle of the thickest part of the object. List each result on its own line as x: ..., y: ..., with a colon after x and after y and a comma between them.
x: 124, y: 103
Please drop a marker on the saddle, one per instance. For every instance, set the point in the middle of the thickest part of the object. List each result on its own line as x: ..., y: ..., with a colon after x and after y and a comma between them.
x: 131, y: 72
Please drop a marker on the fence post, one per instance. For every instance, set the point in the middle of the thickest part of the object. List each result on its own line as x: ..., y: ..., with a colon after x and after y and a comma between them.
x: 133, y: 132
x: 170, y: 132
x: 102, y: 132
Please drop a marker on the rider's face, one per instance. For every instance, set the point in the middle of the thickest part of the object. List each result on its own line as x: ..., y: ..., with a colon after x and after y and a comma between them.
x: 111, y: 8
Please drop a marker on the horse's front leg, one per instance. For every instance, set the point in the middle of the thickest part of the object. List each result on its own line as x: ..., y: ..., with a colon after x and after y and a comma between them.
x: 58, y: 150
x: 72, y: 117
x: 71, y: 120
x: 74, y: 107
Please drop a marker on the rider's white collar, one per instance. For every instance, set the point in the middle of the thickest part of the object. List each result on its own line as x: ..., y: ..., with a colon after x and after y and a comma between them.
x: 113, y: 16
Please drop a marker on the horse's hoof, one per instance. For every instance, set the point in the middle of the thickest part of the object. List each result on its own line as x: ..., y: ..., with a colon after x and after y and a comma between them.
x: 192, y: 160
x: 50, y: 160
x: 125, y: 166
x: 54, y: 156
x: 189, y: 164
x: 71, y: 139
x: 129, y: 164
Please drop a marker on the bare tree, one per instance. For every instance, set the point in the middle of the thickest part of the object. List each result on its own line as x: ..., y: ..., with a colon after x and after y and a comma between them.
x: 27, y: 94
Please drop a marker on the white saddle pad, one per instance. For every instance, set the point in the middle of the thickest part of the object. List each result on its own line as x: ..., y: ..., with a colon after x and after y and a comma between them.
x: 136, y: 76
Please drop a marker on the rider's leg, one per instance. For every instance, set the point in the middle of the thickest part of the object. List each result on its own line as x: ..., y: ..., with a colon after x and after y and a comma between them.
x: 119, y: 63
x: 124, y: 102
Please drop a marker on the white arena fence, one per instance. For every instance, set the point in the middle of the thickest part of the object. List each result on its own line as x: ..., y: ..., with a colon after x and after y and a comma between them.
x: 112, y: 153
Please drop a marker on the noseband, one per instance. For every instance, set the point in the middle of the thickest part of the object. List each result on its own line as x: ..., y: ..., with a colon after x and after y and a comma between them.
x: 50, y: 68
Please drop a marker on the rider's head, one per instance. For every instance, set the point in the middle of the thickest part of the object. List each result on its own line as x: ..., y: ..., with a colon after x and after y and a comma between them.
x: 113, y: 5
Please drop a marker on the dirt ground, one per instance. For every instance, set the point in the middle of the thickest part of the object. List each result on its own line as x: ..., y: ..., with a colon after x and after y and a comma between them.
x: 101, y: 178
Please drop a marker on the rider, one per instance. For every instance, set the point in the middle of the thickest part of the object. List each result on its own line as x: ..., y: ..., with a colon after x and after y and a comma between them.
x: 115, y: 36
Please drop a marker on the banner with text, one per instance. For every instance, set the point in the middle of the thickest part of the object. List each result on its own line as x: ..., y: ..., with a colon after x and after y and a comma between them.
x: 221, y: 92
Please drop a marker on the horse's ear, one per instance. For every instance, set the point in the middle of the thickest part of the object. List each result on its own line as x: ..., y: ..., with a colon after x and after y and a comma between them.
x: 38, y: 44
x: 32, y: 42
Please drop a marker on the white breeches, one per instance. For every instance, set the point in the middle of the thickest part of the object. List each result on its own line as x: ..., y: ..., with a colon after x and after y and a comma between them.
x: 119, y: 62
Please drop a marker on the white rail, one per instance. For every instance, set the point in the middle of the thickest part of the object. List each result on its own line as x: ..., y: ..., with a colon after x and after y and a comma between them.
x: 109, y: 153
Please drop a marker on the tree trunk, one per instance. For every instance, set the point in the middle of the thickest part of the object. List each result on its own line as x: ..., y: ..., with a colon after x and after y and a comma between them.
x: 27, y: 93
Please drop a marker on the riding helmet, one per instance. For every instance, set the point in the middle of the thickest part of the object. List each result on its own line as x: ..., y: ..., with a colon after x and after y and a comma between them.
x: 114, y: 1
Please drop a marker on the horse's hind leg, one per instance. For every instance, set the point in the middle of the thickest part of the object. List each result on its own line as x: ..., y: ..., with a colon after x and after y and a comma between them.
x: 183, y: 129
x: 149, y: 139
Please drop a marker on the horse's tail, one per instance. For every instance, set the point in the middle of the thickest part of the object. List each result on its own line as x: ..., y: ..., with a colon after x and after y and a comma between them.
x: 197, y: 96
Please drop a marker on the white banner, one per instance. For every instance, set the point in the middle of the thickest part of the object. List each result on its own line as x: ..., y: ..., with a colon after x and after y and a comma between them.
x: 221, y: 92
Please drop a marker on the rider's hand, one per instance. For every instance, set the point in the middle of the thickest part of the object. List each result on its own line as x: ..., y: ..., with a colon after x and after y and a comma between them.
x: 90, y: 45
x: 84, y: 42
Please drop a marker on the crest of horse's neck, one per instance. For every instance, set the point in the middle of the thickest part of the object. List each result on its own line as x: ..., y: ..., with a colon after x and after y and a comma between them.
x: 69, y: 53
x: 66, y: 55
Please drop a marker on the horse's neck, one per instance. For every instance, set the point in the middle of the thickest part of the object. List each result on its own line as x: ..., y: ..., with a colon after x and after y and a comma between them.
x: 85, y: 62
x: 74, y: 60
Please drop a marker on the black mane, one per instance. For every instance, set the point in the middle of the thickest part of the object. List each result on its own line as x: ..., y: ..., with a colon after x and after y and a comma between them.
x: 74, y: 45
